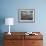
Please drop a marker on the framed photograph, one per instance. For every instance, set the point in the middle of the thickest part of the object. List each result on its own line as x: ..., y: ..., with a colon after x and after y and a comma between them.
x: 26, y: 15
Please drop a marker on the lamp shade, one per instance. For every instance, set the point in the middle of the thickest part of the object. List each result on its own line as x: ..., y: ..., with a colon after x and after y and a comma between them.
x: 9, y: 21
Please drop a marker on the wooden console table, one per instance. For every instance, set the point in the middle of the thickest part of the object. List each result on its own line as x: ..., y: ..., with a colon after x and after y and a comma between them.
x: 20, y: 39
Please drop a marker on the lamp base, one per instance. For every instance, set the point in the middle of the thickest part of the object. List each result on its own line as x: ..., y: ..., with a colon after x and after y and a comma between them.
x: 9, y: 33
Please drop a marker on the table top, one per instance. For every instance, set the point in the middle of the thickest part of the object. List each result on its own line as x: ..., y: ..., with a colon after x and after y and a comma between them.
x: 22, y: 35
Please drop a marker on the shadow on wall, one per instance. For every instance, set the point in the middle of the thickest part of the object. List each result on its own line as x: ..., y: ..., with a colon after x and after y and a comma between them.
x: 2, y: 21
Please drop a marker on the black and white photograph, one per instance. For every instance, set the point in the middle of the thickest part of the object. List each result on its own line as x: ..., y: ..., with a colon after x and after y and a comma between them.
x: 26, y: 15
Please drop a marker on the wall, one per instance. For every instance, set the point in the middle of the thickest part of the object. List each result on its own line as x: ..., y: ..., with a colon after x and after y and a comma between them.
x: 9, y: 8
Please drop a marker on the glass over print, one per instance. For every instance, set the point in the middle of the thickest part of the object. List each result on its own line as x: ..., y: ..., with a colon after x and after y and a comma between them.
x: 26, y: 15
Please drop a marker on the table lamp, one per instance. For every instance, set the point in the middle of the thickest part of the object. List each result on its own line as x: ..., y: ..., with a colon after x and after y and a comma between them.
x: 9, y: 21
